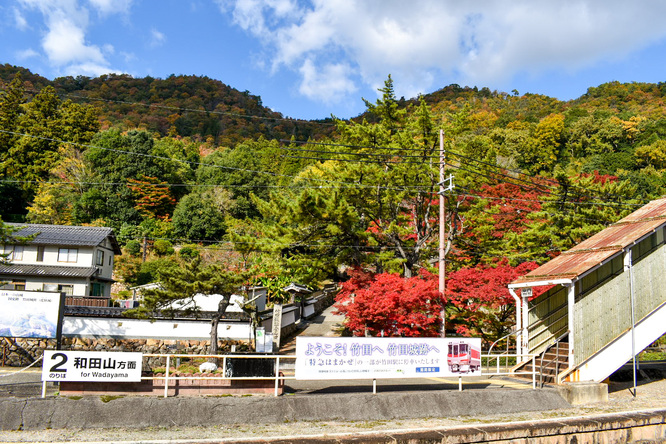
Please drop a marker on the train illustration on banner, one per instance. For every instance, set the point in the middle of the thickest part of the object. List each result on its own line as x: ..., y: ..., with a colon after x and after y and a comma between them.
x: 463, y: 357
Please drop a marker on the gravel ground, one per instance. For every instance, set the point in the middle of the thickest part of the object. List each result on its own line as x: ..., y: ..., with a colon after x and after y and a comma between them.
x: 651, y: 394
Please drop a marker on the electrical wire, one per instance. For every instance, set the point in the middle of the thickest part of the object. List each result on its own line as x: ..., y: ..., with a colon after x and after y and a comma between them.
x: 199, y: 164
x: 187, y: 110
x: 435, y: 157
x: 282, y: 140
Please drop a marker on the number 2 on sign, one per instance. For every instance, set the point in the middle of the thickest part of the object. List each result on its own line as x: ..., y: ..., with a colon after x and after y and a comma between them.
x: 57, y: 365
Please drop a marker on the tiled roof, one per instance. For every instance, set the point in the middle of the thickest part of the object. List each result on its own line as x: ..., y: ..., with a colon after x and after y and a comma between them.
x: 66, y: 235
x: 600, y: 247
x: 46, y: 270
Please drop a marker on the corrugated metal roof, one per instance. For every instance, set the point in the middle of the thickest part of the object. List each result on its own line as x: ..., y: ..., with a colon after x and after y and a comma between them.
x: 46, y: 270
x: 602, y: 246
x: 66, y: 235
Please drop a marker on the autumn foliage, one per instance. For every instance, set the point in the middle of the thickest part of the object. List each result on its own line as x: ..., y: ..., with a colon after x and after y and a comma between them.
x: 479, y: 300
x: 389, y: 303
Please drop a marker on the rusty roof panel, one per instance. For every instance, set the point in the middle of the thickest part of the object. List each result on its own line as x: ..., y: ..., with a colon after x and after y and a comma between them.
x: 602, y: 246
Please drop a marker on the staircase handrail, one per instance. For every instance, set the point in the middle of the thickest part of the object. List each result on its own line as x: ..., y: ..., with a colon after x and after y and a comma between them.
x: 556, y: 359
x: 513, y: 332
x: 490, y: 349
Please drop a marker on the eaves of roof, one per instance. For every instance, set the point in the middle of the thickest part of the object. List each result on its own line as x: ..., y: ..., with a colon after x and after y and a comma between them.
x: 599, y: 248
x: 47, y: 271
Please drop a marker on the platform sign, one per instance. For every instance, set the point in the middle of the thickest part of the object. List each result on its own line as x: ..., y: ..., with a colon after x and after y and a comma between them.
x: 29, y: 314
x: 66, y: 365
x: 378, y: 358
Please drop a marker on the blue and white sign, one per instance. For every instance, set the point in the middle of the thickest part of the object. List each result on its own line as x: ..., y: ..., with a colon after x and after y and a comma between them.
x: 66, y: 365
x: 373, y: 358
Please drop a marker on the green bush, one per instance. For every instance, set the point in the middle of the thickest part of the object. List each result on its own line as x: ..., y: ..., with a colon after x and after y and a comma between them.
x: 189, y: 252
x: 162, y: 247
x: 133, y: 247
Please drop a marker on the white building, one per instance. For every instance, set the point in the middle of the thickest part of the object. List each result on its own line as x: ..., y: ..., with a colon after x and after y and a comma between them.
x: 75, y: 260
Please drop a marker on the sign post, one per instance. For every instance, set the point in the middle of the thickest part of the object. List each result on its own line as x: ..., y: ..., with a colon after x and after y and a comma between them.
x: 277, y: 326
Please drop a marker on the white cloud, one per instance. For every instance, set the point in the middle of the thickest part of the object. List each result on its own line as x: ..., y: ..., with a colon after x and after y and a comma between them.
x: 445, y: 41
x: 89, y: 69
x: 111, y: 6
x: 156, y: 38
x: 26, y: 54
x: 328, y: 83
x: 20, y: 21
x: 64, y: 38
x: 65, y: 43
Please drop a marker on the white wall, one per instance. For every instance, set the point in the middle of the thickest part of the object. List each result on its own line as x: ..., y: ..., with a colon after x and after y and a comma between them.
x: 89, y: 327
x: 37, y: 284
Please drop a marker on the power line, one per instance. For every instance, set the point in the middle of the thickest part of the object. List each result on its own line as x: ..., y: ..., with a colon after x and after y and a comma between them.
x: 355, y: 185
x: 435, y: 157
x: 188, y: 110
x: 340, y: 183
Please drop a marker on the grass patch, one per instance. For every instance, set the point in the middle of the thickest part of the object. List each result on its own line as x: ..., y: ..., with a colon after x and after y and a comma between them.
x: 370, y: 424
x: 109, y: 398
x: 652, y: 355
x: 75, y: 398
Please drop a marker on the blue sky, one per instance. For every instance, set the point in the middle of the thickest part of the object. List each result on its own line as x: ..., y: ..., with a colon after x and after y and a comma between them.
x: 313, y: 58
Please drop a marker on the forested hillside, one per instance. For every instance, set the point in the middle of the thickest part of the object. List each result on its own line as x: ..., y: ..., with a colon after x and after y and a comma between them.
x: 186, y: 106
x: 187, y: 167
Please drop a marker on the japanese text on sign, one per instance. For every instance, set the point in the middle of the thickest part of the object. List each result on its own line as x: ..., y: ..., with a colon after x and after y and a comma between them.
x: 351, y: 358
x: 91, y: 366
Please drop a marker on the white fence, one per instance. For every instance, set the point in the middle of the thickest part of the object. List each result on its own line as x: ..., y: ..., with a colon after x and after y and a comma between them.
x: 492, y: 367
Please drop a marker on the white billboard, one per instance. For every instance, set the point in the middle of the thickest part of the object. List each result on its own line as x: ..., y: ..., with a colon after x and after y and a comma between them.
x: 29, y: 314
x: 377, y: 358
x: 66, y: 365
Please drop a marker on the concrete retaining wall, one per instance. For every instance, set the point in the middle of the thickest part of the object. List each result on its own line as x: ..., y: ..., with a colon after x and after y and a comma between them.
x: 139, y: 412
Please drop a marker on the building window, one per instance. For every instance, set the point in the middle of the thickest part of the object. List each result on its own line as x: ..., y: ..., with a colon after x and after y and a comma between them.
x: 96, y: 289
x: 16, y: 284
x: 100, y: 257
x: 14, y: 252
x: 49, y: 287
x: 67, y: 254
x: 67, y: 289
x: 40, y: 253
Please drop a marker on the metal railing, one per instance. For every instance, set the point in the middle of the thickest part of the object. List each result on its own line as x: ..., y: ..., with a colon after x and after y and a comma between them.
x: 556, y: 359
x: 226, y: 372
x: 497, y: 370
x: 506, y: 369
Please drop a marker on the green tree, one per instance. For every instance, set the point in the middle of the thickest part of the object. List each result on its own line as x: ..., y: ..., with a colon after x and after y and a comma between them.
x: 250, y: 168
x: 42, y: 127
x: 11, y: 102
x: 200, y: 216
x: 371, y: 202
x: 112, y: 163
x: 582, y: 205
x: 181, y: 283
x: 542, y: 150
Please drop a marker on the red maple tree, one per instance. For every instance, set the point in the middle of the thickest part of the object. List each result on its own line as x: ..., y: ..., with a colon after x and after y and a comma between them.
x: 390, y: 304
x: 479, y: 301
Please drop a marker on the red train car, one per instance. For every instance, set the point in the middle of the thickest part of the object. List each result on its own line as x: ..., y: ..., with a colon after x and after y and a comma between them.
x: 463, y: 357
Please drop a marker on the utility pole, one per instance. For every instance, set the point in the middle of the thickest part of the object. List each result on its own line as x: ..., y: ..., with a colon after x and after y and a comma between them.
x: 443, y: 187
